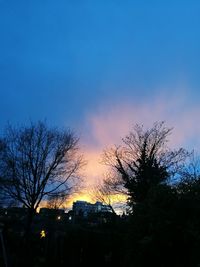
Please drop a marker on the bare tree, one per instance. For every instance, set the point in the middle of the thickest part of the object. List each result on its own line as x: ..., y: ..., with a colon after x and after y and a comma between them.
x: 191, y: 170
x: 110, y: 192
x: 38, y: 161
x: 103, y: 194
x: 143, y: 161
x: 189, y: 181
x: 57, y: 201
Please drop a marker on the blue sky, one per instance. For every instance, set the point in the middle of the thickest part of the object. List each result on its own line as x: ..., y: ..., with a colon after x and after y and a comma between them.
x: 77, y: 63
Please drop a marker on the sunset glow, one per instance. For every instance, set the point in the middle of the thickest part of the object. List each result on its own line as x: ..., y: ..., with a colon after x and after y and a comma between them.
x: 99, y: 80
x: 94, y: 90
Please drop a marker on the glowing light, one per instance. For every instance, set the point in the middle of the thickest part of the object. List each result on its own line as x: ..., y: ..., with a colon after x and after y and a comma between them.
x: 42, y: 234
x: 59, y: 218
x: 115, y: 198
x: 79, y: 196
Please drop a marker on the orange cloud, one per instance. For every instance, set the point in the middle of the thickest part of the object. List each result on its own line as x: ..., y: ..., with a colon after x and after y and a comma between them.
x: 94, y: 168
x: 110, y: 123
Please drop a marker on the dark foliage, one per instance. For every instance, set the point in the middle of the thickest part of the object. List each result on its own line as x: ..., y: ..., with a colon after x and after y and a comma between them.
x: 143, y: 162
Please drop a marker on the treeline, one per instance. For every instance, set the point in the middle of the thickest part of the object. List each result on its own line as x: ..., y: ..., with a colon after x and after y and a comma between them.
x: 162, y: 186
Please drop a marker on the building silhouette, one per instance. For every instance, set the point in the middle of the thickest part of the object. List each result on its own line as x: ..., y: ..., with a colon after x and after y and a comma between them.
x: 84, y: 208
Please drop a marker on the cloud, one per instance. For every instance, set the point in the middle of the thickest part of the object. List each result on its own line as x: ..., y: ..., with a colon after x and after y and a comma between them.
x: 94, y: 168
x: 109, y: 123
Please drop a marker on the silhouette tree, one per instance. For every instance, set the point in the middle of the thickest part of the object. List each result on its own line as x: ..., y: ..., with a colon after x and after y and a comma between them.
x: 143, y: 161
x: 57, y: 201
x: 37, y: 161
x: 103, y: 194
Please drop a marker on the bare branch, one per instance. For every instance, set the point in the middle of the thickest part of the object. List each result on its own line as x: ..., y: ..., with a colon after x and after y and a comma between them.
x: 143, y: 161
x: 37, y: 161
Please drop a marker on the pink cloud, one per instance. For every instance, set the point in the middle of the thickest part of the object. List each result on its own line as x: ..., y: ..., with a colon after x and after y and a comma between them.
x: 94, y: 170
x: 109, y: 124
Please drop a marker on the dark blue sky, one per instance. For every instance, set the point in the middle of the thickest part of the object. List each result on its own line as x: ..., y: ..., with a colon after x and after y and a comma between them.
x: 68, y: 60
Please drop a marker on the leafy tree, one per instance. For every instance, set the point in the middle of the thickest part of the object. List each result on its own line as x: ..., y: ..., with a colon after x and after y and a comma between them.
x: 37, y: 161
x: 143, y: 161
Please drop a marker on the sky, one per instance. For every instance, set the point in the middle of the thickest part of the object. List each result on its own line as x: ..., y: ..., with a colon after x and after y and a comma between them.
x: 100, y: 66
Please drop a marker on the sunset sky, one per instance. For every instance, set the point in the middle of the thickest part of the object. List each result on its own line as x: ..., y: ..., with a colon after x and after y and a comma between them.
x: 100, y: 66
